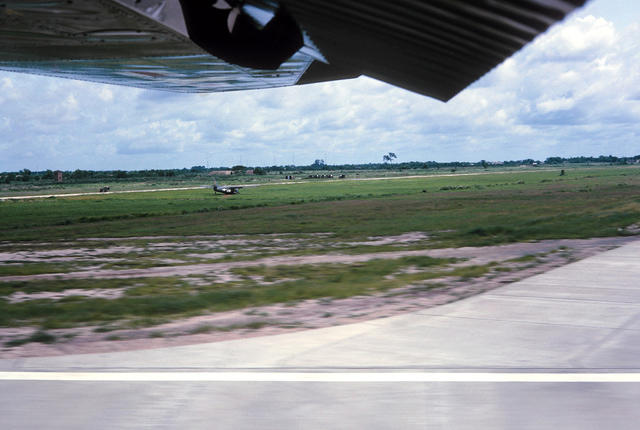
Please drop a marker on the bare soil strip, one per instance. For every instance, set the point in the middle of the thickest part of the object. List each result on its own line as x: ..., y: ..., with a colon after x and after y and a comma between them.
x: 475, y: 256
x: 308, y: 314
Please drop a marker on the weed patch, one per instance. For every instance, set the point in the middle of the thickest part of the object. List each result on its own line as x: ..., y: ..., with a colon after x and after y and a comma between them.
x: 39, y: 336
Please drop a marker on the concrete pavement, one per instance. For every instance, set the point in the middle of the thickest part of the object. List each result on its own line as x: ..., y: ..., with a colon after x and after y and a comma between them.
x: 573, y: 323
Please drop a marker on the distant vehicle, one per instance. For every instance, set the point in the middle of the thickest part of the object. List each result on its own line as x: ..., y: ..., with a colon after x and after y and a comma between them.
x: 105, y: 189
x: 224, y: 189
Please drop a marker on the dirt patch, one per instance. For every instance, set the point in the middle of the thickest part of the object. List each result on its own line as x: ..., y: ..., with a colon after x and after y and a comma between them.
x: 62, y: 255
x: 415, y: 236
x: 631, y: 229
x: 209, y: 255
x: 98, y: 293
x: 216, y: 245
x: 473, y: 256
x: 274, y: 319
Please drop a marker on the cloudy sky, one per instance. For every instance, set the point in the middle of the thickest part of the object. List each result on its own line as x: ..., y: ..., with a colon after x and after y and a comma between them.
x: 574, y: 91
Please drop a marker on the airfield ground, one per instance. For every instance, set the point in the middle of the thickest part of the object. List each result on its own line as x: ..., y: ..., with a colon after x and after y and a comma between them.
x: 137, y: 270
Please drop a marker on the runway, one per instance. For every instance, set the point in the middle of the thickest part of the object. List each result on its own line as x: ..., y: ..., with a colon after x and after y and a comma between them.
x: 248, y: 185
x: 557, y: 350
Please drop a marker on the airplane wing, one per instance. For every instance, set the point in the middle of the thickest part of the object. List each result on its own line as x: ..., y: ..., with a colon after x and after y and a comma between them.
x: 433, y: 47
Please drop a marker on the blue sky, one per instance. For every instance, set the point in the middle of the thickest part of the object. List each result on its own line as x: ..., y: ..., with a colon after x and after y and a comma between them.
x: 573, y: 91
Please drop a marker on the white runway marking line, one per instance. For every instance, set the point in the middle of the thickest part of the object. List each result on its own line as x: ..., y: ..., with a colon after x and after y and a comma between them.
x: 317, y: 377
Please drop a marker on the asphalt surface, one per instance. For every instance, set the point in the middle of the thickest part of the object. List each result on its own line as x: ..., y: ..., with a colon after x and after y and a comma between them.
x: 558, y: 350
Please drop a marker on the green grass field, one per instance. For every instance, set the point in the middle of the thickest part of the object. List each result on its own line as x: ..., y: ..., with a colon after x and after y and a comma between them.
x: 458, y: 210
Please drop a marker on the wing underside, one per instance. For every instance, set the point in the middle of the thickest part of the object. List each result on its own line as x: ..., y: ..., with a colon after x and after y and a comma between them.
x: 436, y: 48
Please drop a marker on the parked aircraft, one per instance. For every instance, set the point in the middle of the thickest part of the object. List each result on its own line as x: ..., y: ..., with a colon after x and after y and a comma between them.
x: 433, y: 47
x: 225, y: 189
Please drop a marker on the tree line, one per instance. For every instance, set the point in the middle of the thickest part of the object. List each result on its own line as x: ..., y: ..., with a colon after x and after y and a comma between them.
x: 79, y: 175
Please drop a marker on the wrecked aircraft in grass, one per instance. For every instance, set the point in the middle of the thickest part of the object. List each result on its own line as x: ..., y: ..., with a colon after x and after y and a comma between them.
x: 225, y: 189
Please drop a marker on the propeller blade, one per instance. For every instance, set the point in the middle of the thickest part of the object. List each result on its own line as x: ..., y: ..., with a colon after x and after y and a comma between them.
x: 222, y: 4
x: 231, y: 20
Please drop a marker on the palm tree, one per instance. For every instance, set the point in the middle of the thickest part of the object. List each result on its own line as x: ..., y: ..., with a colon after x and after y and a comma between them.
x: 388, y: 158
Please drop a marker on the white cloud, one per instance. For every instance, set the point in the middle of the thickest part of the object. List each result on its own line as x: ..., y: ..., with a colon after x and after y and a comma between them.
x: 581, y: 37
x: 157, y: 137
x: 550, y: 105
x: 70, y: 102
x: 8, y: 91
x: 7, y: 84
x: 105, y: 94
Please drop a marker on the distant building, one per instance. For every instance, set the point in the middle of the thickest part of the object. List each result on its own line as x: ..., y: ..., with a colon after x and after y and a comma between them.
x: 221, y: 173
x: 249, y: 172
x: 57, y: 175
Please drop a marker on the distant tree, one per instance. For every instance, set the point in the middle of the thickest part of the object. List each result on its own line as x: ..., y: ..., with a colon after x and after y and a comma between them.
x: 553, y: 160
x: 318, y: 164
x: 198, y: 168
x: 80, y: 174
x: 259, y: 171
x: 239, y: 168
x: 25, y: 175
x: 388, y: 158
